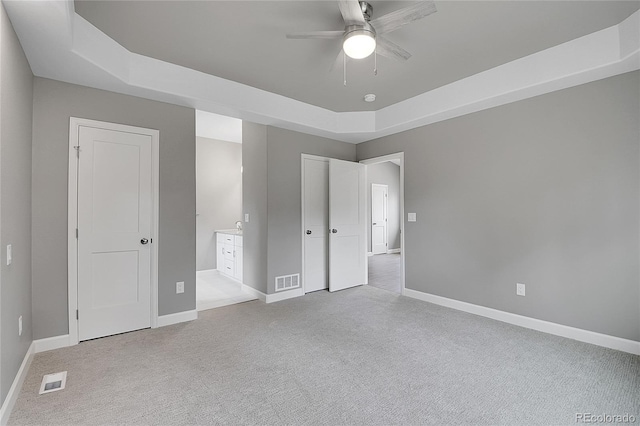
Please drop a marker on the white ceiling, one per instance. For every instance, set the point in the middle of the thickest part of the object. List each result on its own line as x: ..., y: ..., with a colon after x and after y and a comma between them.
x: 244, y: 41
x: 261, y: 77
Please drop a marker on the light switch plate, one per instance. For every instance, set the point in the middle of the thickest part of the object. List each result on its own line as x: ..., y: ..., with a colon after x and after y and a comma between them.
x: 180, y: 287
x: 246, y: 217
x: 9, y: 255
x: 411, y: 217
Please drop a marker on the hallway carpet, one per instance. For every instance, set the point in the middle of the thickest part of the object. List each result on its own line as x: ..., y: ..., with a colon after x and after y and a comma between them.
x: 361, y: 356
x: 384, y: 272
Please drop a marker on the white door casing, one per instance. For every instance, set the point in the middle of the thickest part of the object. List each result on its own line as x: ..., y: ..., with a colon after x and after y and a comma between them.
x: 347, y: 223
x: 379, y: 199
x: 113, y: 261
x: 315, y: 223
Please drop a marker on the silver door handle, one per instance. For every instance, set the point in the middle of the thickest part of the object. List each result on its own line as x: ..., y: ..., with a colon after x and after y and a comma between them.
x: 144, y: 241
x: 375, y: 223
x: 308, y: 232
x: 334, y: 231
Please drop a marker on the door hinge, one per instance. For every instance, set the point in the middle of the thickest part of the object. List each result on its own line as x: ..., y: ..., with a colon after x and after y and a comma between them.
x: 77, y: 148
x: 76, y: 233
x: 77, y: 314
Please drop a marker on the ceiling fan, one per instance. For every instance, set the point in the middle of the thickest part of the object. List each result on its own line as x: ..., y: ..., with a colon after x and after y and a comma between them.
x: 362, y: 35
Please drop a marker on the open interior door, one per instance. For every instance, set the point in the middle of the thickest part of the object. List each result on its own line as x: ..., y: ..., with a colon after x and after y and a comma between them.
x: 347, y: 225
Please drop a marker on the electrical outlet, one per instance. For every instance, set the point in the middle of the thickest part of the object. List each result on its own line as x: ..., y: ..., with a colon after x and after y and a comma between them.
x: 9, y: 255
x: 180, y: 287
x: 411, y: 217
x: 520, y: 289
x: 246, y: 217
x: 20, y: 325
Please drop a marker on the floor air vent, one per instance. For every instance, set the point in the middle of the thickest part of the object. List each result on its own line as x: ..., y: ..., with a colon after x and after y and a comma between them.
x: 287, y: 282
x: 53, y: 382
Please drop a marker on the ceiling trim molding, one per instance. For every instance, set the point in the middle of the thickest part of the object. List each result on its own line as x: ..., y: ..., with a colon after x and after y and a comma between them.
x: 62, y: 45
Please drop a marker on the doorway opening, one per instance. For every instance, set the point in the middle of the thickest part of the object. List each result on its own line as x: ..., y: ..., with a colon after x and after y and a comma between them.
x: 385, y: 227
x: 219, y: 238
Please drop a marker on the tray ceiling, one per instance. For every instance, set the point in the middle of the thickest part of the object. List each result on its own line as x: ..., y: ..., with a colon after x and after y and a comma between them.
x: 244, y: 41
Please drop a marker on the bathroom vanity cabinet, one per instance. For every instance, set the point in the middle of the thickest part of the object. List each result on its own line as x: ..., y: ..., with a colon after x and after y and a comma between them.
x: 229, y: 253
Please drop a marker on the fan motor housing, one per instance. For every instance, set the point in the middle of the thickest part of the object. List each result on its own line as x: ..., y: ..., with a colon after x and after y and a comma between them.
x: 367, y: 10
x: 366, y: 28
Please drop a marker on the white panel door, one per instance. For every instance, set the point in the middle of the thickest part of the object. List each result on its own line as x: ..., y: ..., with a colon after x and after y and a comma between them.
x: 347, y: 220
x: 114, y: 223
x: 316, y: 224
x: 379, y: 218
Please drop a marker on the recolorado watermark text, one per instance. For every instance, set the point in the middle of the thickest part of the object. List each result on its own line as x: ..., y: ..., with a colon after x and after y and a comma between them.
x: 605, y: 418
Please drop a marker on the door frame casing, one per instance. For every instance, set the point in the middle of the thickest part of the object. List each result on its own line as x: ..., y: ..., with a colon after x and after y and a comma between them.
x: 74, y: 127
x: 386, y: 215
x: 382, y: 159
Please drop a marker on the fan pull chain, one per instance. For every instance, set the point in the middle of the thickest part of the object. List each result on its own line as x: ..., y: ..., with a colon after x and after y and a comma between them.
x: 344, y: 68
x: 375, y: 62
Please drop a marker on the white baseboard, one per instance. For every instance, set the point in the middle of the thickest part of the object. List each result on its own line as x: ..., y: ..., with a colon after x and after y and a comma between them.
x: 176, y: 318
x: 260, y: 295
x: 16, y: 386
x: 579, y: 334
x: 51, y: 343
x: 393, y: 251
x: 283, y: 295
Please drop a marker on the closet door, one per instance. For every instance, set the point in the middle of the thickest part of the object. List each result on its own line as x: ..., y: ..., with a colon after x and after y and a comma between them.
x: 347, y: 224
x: 315, y: 222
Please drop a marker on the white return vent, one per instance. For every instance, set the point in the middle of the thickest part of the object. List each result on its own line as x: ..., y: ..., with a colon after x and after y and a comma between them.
x: 287, y: 282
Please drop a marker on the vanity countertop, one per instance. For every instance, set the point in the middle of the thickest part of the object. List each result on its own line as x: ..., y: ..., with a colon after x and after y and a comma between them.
x: 229, y: 231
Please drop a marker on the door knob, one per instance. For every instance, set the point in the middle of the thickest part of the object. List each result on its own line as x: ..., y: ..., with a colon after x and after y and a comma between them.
x: 334, y: 231
x: 375, y: 223
x: 144, y: 241
x: 308, y: 232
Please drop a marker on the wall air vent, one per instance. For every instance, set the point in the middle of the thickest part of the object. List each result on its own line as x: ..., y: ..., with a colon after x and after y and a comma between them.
x: 287, y: 282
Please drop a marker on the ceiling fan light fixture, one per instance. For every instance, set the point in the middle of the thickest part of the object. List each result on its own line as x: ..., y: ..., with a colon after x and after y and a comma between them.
x: 359, y: 42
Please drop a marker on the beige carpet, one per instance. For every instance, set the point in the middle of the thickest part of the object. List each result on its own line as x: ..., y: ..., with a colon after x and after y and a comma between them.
x: 361, y: 356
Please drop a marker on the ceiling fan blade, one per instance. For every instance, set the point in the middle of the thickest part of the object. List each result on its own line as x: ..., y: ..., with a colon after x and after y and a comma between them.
x: 394, y: 20
x: 316, y: 34
x: 389, y: 49
x: 351, y: 12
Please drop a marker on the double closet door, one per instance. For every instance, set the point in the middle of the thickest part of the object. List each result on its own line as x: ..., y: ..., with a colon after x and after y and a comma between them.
x: 334, y: 224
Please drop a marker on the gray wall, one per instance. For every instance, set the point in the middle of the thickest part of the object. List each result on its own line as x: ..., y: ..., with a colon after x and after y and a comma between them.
x: 54, y: 102
x: 544, y: 192
x: 16, y: 112
x: 254, y: 202
x: 386, y: 173
x: 218, y: 195
x: 284, y: 150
